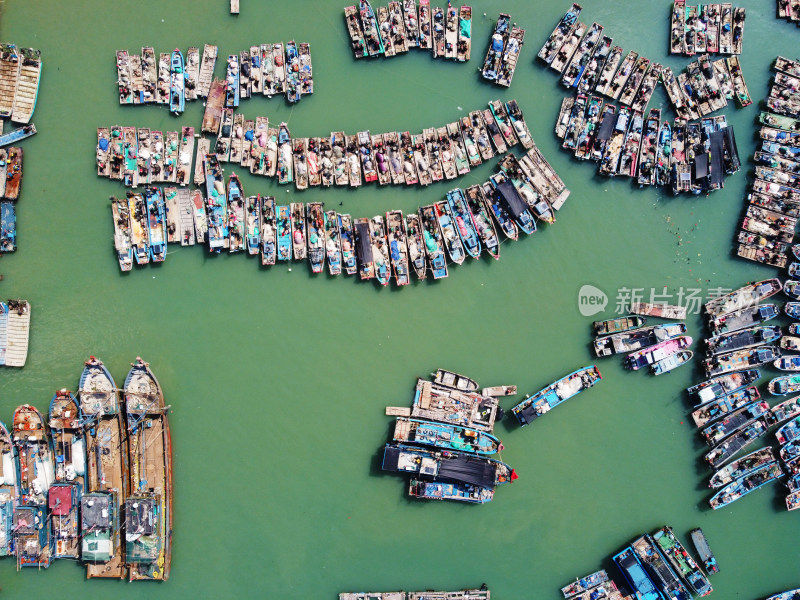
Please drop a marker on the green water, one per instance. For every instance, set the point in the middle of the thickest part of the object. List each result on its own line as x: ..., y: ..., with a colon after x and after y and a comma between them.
x: 278, y: 379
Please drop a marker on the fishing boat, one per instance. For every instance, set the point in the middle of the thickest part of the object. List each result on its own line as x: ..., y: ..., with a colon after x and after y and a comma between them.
x: 415, y: 243
x: 148, y: 508
x: 463, y: 222
x: 445, y: 436
x: 734, y: 421
x: 589, y: 74
x: 347, y: 234
x: 382, y: 166
x: 594, y: 145
x: 369, y: 25
x: 663, y: 157
x: 156, y: 223
x: 575, y: 68
x: 138, y: 213
x: 564, y: 54
x: 120, y: 212
x: 363, y: 246
x: 704, y: 551
x: 437, y: 490
x: 357, y: 43
x: 743, y: 467
x: 741, y: 359
x: 629, y: 158
x: 409, y: 161
x: 584, y: 584
x: 245, y: 71
x: 635, y: 575
x: 216, y: 203
x: 608, y: 70
x: 285, y: 161
x: 8, y: 227
x: 651, y: 354
x: 326, y: 165
x: 300, y: 162
x: 450, y: 236
x: 741, y: 339
x: 481, y: 135
x: 253, y: 224
x: 425, y: 31
x: 333, y: 242
x: 780, y: 386
x: 232, y: 82
x: 743, y: 318
x: 536, y: 405
x: 464, y: 45
x: 498, y: 209
x: 788, y: 432
x: 744, y: 297
x: 198, y: 209
x: 9, y: 491
x: 365, y: 151
x: 677, y: 27
x: 380, y: 250
x: 683, y: 563
x: 36, y: 470
x: 433, y: 154
x: 433, y: 242
x: 789, y: 595
x: 497, y: 112
x: 26, y: 131
x: 411, y: 23
x: 394, y: 157
x: 562, y: 31
x: 69, y: 445
x: 352, y: 155
x: 9, y: 56
x: 618, y: 325
x: 450, y: 32
x: 510, y: 56
x: 315, y: 223
x: 725, y: 405
x: 482, y: 222
x: 268, y: 229
x: 513, y: 203
x: 665, y: 365
x: 746, y: 484
x: 177, y: 98
x: 384, y: 30
x: 206, y: 72
x: 733, y: 444
x: 784, y: 411
x: 398, y: 248
x: 636, y: 339
x: 298, y: 226
x: 659, y: 570
x: 192, y: 70
x: 284, y: 232
x: 613, y: 148
x: 787, y: 363
x: 647, y: 154
x: 27, y: 85
x: 446, y: 153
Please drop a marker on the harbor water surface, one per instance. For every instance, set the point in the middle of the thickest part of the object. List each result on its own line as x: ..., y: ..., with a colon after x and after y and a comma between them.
x: 278, y: 379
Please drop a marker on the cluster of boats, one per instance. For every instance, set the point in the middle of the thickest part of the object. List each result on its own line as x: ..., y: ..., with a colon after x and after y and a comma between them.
x: 654, y: 567
x: 20, y: 74
x: 706, y: 28
x: 662, y: 348
x: 92, y: 481
x: 444, y: 442
x: 789, y: 10
x: 503, y: 53
x: 15, y: 322
x: 728, y: 409
x: 773, y: 203
x: 474, y: 594
x: 398, y: 158
x: 10, y: 183
x: 463, y: 225
x: 705, y: 87
x: 402, y: 25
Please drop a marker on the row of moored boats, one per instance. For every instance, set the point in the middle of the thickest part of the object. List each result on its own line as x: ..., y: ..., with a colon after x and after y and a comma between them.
x: 93, y: 480
x: 10, y: 183
x: 712, y: 28
x: 503, y: 53
x: 773, y: 203
x: 20, y: 74
x: 402, y: 25
x: 481, y: 593
x: 462, y: 225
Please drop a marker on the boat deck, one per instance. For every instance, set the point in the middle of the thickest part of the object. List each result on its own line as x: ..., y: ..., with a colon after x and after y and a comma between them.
x: 662, y: 311
x: 185, y: 218
x: 27, y: 86
x: 206, y: 70
x: 9, y: 74
x: 19, y: 321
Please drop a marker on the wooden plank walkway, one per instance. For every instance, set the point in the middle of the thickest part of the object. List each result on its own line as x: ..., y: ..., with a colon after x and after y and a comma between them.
x: 206, y: 70
x: 185, y: 218
x: 18, y: 332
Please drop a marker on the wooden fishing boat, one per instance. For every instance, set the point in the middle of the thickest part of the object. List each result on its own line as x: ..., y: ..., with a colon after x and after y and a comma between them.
x: 632, y: 85
x: 445, y: 436
x: 203, y: 148
x: 497, y: 208
x: 64, y: 496
x: 244, y: 75
x: 538, y: 404
x: 411, y: 23
x: 312, y: 161
x: 588, y: 76
x: 9, y: 76
x: 745, y: 485
x: 463, y: 222
x: 664, y: 155
x: 481, y: 221
x: 647, y: 154
x: 510, y: 56
x: 27, y: 90
x: 148, y: 508
x: 605, y: 131
x: 721, y: 407
x: 438, y: 23
x: 18, y: 134
x: 398, y: 247
x: 156, y: 223
x: 645, y: 92
x: 674, y: 93
x: 608, y: 70
x: 177, y: 83
x: 700, y: 23
x: 213, y: 112
x: 369, y: 25
x: 269, y: 158
x: 192, y: 82
x: 363, y: 248
x: 381, y: 160
x: 744, y: 297
x: 450, y: 236
x: 206, y: 74
x: 300, y: 162
x: 170, y: 154
x: 544, y: 177
x: 447, y: 154
x: 726, y: 29
x: 130, y: 156
x: 610, y: 157
x: 120, y: 212
x: 144, y: 70
x: 394, y: 157
x: 629, y: 159
x: 139, y: 226
x: 513, y: 203
x: 564, y: 54
x: 420, y: 160
x: 143, y: 161
x: 734, y: 421
x: 185, y: 152
x: 680, y: 560
x: 256, y: 75
x: 637, y: 339
x: 677, y: 27
x: 583, y: 137
x: 498, y: 136
x: 481, y: 135
x: 560, y: 34
x: 464, y: 46
x: 347, y: 233
x: 102, y: 155
x: 580, y: 59
x: 222, y: 147
x: 790, y: 409
x: 415, y: 244
x: 236, y: 215
x: 333, y: 242
x: 384, y: 30
x: 575, y: 123
x: 425, y: 25
x: 365, y: 151
x: 712, y: 28
x: 315, y: 225
x: 9, y: 67
x: 163, y: 83
x: 9, y: 491
x: 284, y: 232
x: 268, y: 228
x: 505, y: 124
x: 469, y: 139
x: 398, y: 27
x: 433, y: 241
x: 564, y: 116
x: 285, y: 155
x: 533, y: 196
x: 739, y: 14
x: 620, y: 79
x: 450, y: 32
x: 298, y: 226
x: 741, y: 93
x: 380, y: 250
x: 743, y: 467
x: 232, y: 84
x: 741, y: 359
x: 351, y: 157
x: 719, y: 387
x: 326, y: 163
x: 273, y: 69
x: 618, y: 325
x: 339, y: 151
x: 743, y: 338
x: 690, y: 31
x: 433, y: 152
x: 216, y: 205
x: 236, y: 139
x: 353, y: 23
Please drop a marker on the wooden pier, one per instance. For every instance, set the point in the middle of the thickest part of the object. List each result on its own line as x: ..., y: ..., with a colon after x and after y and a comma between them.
x: 19, y: 321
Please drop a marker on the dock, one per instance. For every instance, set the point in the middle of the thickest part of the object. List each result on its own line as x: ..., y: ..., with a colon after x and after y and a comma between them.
x: 660, y: 310
x: 398, y: 411
x: 206, y: 76
x: 18, y: 327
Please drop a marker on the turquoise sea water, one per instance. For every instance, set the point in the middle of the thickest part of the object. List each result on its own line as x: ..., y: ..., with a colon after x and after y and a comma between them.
x: 278, y: 379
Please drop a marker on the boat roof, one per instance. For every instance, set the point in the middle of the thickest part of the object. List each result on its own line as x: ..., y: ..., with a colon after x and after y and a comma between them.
x: 60, y: 500
x: 509, y: 194
x: 717, y: 143
x: 96, y: 511
x: 606, y: 126
x: 363, y: 245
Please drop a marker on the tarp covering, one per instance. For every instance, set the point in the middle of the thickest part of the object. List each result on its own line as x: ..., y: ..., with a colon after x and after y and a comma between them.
x: 731, y: 149
x: 701, y: 166
x: 606, y: 126
x: 717, y: 148
x: 96, y: 511
x: 469, y: 469
x: 511, y: 198
x: 363, y: 246
x: 60, y: 500
x: 140, y: 516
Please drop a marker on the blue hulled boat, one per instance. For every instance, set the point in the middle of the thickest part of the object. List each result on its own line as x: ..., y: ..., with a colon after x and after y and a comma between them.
x: 253, y: 224
x: 432, y: 237
x: 450, y: 239
x: 348, y: 244
x: 20, y: 133
x: 681, y: 560
x: 742, y: 467
x: 634, y: 573
x: 780, y: 386
x: 720, y: 407
x: 177, y: 83
x: 440, y: 490
x: 232, y: 82
x: 9, y: 492
x: 789, y: 432
x: 658, y: 569
x: 792, y: 309
x: 744, y: 485
x: 513, y: 203
x: 284, y: 232
x: 445, y: 436
x: 733, y: 444
x: 236, y: 218
x: 8, y: 227
x: 541, y: 402
x: 496, y: 208
x: 789, y: 595
x: 463, y: 222
x: 215, y: 204
x: 315, y: 225
x: 156, y: 223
